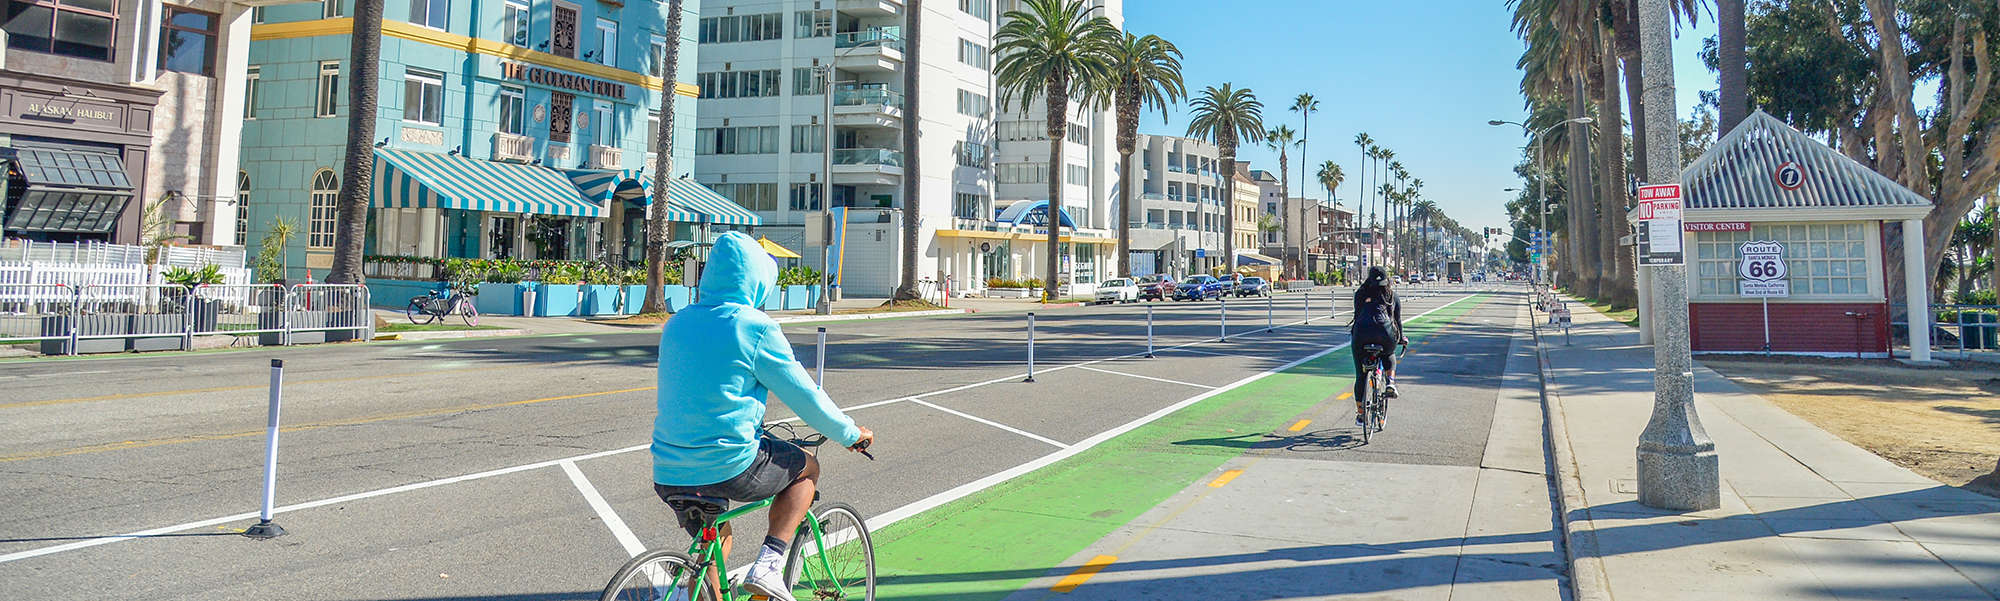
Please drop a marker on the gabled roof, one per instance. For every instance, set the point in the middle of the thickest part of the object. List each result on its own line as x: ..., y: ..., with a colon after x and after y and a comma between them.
x: 1740, y: 172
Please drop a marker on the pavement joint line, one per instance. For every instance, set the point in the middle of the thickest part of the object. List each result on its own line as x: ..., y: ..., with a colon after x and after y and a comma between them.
x: 890, y: 517
x: 1120, y: 373
x: 626, y: 538
x: 989, y: 422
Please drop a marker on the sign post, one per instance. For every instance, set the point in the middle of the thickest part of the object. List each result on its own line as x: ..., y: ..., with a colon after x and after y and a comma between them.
x: 1763, y: 271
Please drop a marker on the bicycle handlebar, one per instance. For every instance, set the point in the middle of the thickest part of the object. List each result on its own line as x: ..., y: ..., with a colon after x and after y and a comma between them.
x: 786, y: 432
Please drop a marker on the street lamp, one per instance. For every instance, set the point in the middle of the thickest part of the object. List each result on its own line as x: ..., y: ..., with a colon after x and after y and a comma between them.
x: 1541, y: 193
x: 825, y: 73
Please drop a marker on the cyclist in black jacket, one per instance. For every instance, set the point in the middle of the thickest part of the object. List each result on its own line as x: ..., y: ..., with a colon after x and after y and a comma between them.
x: 1378, y: 320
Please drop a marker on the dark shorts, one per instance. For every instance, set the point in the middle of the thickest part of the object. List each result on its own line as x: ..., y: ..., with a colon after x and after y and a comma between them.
x: 777, y: 466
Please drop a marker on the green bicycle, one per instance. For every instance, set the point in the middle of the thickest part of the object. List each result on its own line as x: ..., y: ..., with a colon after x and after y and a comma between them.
x: 832, y: 557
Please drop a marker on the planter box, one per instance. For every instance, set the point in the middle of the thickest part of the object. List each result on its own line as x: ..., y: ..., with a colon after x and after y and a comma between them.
x: 677, y: 297
x: 798, y: 297
x: 89, y: 325
x: 499, y: 299
x: 599, y: 299
x: 776, y: 301
x: 557, y: 300
x: 635, y: 298
x: 1013, y: 292
x: 312, y: 320
x: 165, y: 330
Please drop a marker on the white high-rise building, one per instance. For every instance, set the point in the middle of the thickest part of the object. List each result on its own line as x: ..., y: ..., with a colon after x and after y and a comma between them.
x: 759, y: 140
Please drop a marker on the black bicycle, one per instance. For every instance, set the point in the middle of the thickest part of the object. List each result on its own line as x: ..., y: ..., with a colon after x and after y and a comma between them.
x: 441, y: 304
x: 1374, y: 406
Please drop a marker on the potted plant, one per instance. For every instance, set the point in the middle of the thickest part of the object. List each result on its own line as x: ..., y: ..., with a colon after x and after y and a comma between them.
x: 500, y: 293
x: 634, y: 281
x: 175, y: 308
x: 600, y: 290
x: 800, y: 287
x: 558, y: 295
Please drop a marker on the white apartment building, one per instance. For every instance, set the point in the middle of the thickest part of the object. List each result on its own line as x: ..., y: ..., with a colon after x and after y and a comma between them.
x: 1179, y: 184
x: 759, y: 139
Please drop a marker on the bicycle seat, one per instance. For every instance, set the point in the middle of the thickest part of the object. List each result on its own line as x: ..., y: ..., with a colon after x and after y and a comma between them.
x: 1372, y: 348
x: 697, y: 508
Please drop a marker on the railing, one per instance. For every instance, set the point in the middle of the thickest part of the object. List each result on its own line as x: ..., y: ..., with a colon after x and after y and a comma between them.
x: 867, y: 156
x: 606, y: 157
x: 102, y: 318
x: 1152, y: 196
x: 862, y: 96
x: 1970, y: 331
x: 513, y: 148
x: 886, y: 38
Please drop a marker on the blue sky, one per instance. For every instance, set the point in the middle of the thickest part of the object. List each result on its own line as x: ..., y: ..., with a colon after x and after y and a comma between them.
x: 1422, y: 78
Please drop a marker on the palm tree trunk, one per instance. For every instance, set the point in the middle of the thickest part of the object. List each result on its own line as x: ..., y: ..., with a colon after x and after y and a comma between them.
x: 1733, y: 63
x: 1285, y: 235
x: 663, y: 165
x: 912, y: 154
x: 1124, y: 212
x: 1575, y: 225
x: 1058, y: 128
x: 1229, y: 208
x: 1618, y: 285
x: 358, y: 167
x: 1635, y: 78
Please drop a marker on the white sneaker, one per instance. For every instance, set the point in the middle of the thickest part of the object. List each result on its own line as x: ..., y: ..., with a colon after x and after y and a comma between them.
x: 767, y: 578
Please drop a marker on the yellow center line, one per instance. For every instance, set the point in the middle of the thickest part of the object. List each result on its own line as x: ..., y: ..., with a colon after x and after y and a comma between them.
x: 1225, y: 478
x: 1345, y: 395
x: 138, y: 395
x: 1301, y: 425
x: 139, y: 444
x: 1082, y: 574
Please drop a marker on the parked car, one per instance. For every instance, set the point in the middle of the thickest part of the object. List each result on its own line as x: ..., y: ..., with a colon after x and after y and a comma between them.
x: 1229, y: 280
x: 1478, y: 277
x: 1200, y: 287
x: 1253, y: 286
x: 1117, y: 290
x: 1158, y: 286
x: 1430, y: 276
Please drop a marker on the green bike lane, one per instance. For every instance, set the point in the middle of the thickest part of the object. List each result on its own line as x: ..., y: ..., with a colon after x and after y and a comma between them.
x: 1056, y: 527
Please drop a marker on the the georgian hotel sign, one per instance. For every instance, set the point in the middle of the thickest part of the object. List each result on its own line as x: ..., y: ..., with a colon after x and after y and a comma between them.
x: 559, y: 79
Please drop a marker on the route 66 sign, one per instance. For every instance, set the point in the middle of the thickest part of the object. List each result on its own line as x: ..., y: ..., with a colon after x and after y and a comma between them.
x: 1763, y: 270
x: 1790, y: 175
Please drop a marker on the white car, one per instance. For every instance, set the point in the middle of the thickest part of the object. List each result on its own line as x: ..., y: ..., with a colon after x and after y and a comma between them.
x: 1119, y: 290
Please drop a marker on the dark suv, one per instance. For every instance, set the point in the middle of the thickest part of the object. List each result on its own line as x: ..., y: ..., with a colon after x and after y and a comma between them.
x: 1158, y: 286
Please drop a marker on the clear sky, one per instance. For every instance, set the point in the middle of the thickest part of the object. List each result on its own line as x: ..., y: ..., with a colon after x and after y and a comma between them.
x: 1421, y: 77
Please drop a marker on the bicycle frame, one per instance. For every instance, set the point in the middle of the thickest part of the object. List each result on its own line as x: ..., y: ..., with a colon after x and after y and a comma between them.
x: 708, y: 547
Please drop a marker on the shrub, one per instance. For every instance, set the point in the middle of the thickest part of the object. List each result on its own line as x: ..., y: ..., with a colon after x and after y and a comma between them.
x: 208, y: 274
x: 798, y: 276
x: 1978, y: 297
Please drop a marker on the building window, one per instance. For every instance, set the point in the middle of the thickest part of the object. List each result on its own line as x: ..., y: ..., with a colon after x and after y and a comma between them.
x: 329, y: 9
x: 736, y: 140
x: 607, y: 42
x: 242, y: 208
x: 1079, y: 175
x: 562, y: 30
x: 325, y: 208
x: 808, y: 138
x: 972, y: 105
x: 983, y: 9
x: 805, y: 197
x: 808, y: 81
x: 756, y: 197
x: 1022, y: 173
x: 656, y: 59
x: 741, y: 28
x: 652, y: 133
x: 607, y: 128
x: 423, y: 97
x: 257, y: 15
x: 738, y: 84
x: 187, y: 44
x: 562, y: 109
x: 251, y: 79
x: 812, y: 23
x: 972, y: 54
x: 514, y: 19
x: 1079, y: 134
x: 971, y: 154
x: 79, y: 28
x: 1822, y: 260
x: 513, y: 111
x: 430, y: 13
x: 327, y: 101
x: 1023, y: 131
x: 970, y: 206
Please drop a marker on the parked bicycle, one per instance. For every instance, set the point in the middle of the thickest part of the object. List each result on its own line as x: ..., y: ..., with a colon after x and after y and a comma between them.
x: 832, y: 557
x: 441, y: 304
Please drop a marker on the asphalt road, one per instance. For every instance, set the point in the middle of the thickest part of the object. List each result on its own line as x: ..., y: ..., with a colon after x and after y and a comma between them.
x: 511, y: 468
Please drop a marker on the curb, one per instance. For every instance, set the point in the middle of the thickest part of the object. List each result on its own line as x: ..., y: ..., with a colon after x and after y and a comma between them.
x: 860, y: 316
x: 1587, y: 581
x: 448, y: 334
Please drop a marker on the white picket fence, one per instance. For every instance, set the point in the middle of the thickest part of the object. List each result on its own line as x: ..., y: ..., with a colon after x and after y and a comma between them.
x: 34, y: 278
x: 101, y: 253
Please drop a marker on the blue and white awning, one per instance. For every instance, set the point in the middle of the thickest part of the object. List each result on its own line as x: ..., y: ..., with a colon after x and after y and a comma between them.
x: 407, y: 179
x: 688, y: 200
x: 716, y: 207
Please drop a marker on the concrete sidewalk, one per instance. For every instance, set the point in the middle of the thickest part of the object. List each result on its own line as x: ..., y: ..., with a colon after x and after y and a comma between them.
x: 1805, y: 515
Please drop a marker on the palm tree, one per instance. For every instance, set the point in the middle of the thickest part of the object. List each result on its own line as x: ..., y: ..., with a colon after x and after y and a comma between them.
x: 663, y: 165
x: 1387, y: 158
x: 1227, y: 116
x: 1305, y: 105
x: 1733, y: 63
x: 1397, y: 198
x: 913, y: 12
x: 1363, y: 142
x: 1145, y: 72
x: 1055, y: 50
x: 358, y: 167
x: 1280, y: 139
x: 1330, y: 177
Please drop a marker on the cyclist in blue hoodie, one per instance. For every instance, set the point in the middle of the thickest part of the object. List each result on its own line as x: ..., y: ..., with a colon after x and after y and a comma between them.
x: 720, y: 360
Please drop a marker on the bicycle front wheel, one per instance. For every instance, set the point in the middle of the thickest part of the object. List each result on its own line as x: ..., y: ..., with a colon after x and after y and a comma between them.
x: 656, y: 576
x: 837, y: 565
x: 468, y: 313
x: 419, y: 311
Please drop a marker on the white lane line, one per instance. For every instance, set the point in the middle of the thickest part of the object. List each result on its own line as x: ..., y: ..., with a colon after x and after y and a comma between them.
x: 991, y: 423
x: 886, y: 519
x: 1120, y: 373
x: 1216, y: 354
x: 610, y: 518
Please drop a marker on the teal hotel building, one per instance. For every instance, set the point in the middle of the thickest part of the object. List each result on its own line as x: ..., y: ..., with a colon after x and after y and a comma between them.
x: 506, y: 129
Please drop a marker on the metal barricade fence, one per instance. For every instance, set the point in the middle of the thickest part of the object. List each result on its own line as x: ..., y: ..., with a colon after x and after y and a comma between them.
x: 1959, y: 331
x: 328, y: 313
x: 135, y: 317
x: 240, y: 309
x: 39, y: 313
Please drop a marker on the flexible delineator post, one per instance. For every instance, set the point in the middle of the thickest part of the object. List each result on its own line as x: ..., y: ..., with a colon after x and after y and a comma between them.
x: 1031, y: 348
x: 819, y: 373
x: 1149, y: 331
x: 264, y: 528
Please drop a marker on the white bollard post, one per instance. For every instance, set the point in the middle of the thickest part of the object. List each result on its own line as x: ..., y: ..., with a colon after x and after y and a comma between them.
x: 1270, y: 314
x: 264, y: 528
x: 1149, y: 331
x: 1031, y: 348
x: 819, y: 372
x: 1225, y: 317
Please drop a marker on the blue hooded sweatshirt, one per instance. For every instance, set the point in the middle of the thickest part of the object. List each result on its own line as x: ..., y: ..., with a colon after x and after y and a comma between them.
x: 720, y: 359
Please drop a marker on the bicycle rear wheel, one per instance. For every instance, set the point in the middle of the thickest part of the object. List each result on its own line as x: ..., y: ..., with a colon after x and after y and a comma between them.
x: 838, y: 566
x: 467, y: 312
x: 654, y: 576
x: 419, y: 311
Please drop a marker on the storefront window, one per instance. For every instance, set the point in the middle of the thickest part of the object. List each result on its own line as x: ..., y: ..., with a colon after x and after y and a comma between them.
x: 1086, y: 264
x: 325, y: 207
x: 1821, y: 259
x: 79, y: 28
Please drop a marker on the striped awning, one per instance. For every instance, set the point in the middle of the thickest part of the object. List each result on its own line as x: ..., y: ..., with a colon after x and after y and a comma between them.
x: 407, y: 179
x: 688, y: 200
x: 716, y: 207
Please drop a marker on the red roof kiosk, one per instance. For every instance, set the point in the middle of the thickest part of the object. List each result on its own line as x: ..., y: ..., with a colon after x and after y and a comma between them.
x: 1783, y: 239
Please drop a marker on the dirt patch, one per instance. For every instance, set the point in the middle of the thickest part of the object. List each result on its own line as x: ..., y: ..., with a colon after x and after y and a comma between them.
x: 900, y: 305
x: 1942, y: 423
x: 640, y: 320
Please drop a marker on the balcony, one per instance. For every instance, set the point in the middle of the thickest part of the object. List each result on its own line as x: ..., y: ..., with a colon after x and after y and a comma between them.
x: 871, y: 8
x: 1152, y: 196
x: 513, y: 148
x: 865, y: 166
x: 879, y: 50
x: 867, y: 107
x: 605, y: 157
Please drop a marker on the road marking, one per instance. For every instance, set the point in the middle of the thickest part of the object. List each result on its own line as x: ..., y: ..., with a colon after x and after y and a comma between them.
x: 1120, y: 373
x: 890, y: 517
x: 1083, y: 574
x: 610, y: 518
x: 1344, y: 396
x: 139, y: 395
x: 1212, y: 353
x: 991, y: 423
x: 1224, y: 478
x: 1300, y: 426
